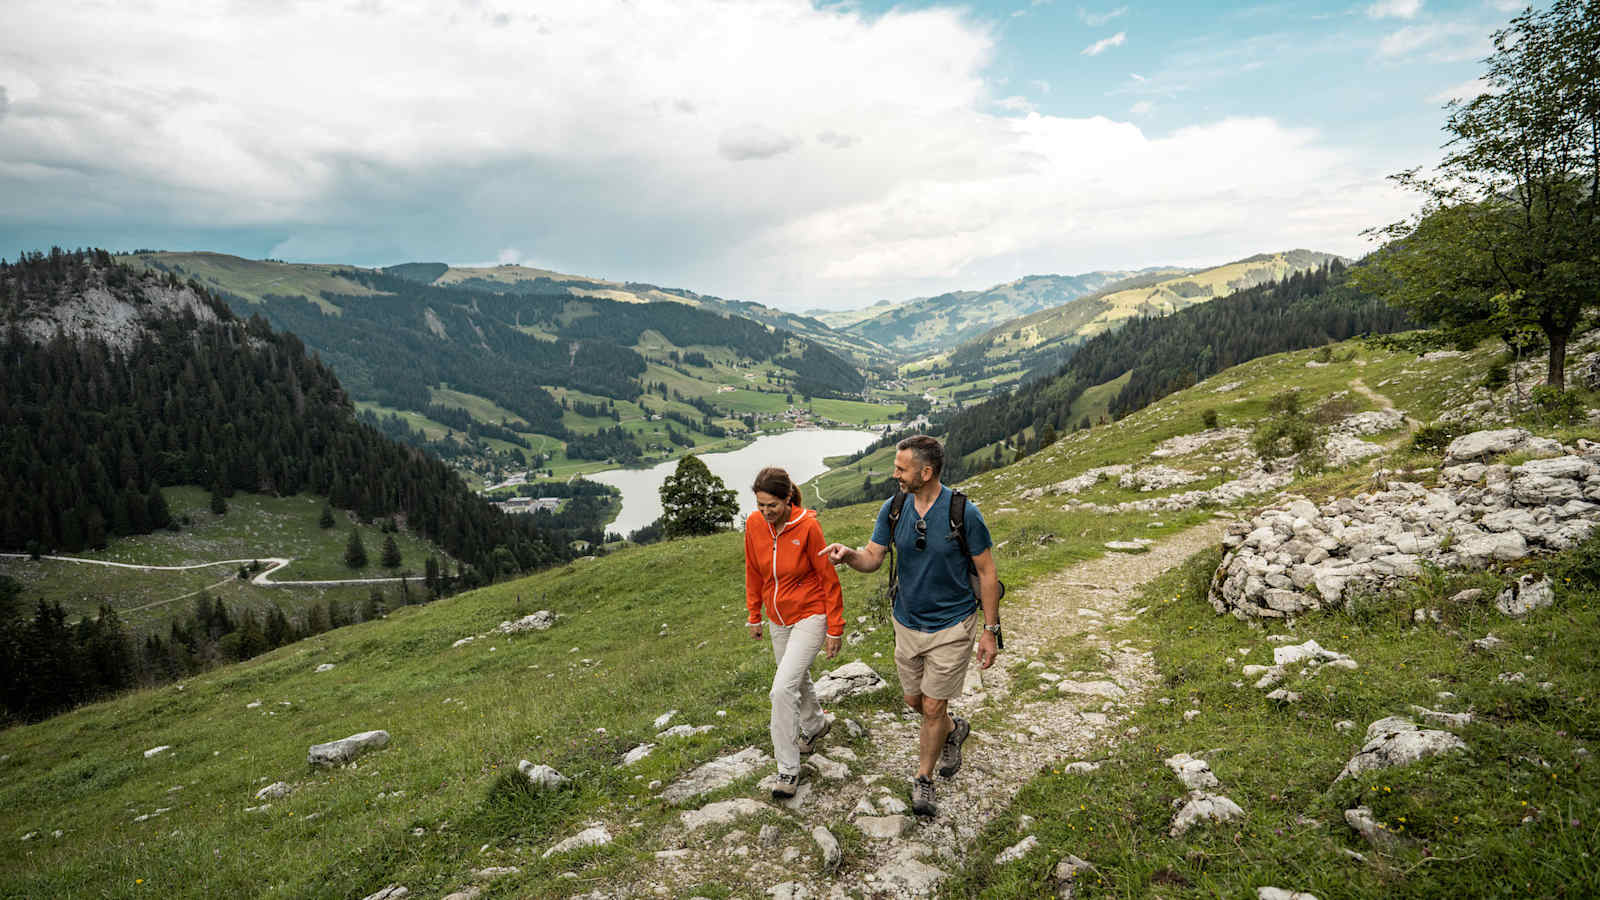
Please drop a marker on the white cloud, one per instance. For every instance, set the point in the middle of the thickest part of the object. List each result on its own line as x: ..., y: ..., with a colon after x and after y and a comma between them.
x: 1395, y: 9
x: 1015, y: 104
x: 1040, y: 85
x: 1104, y: 44
x: 1096, y: 19
x: 1142, y: 108
x: 1465, y: 91
x: 1439, y: 42
x: 1137, y: 77
x: 767, y: 150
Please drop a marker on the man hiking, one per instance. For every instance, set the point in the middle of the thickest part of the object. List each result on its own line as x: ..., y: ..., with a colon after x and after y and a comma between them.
x: 938, y: 605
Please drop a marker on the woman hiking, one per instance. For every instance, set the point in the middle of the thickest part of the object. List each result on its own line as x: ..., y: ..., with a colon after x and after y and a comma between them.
x: 786, y: 578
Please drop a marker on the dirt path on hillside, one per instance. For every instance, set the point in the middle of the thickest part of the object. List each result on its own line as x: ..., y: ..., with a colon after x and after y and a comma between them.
x: 262, y: 579
x: 1360, y: 387
x: 1015, y: 734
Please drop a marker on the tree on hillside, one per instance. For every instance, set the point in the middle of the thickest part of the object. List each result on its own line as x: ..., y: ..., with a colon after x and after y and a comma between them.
x: 391, y: 554
x: 1505, y: 241
x: 326, y: 519
x: 694, y: 501
x: 355, y: 552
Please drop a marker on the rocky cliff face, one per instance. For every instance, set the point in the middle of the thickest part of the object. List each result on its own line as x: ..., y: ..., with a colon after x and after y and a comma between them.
x: 117, y: 315
x: 1297, y: 556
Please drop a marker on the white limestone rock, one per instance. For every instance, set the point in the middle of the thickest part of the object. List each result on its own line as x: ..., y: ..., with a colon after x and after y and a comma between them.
x: 1200, y: 807
x: 848, y: 680
x: 883, y: 827
x: 541, y: 776
x: 593, y: 836
x: 828, y: 845
x: 1397, y: 741
x: 1016, y: 851
x: 1108, y: 689
x: 543, y: 620
x: 336, y: 753
x: 721, y: 813
x: 1278, y: 893
x: 715, y: 775
x: 1527, y: 594
x: 639, y: 752
x: 1195, y: 773
x: 275, y: 791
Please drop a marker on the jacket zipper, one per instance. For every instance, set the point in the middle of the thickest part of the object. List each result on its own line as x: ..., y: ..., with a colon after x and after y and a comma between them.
x: 775, y: 535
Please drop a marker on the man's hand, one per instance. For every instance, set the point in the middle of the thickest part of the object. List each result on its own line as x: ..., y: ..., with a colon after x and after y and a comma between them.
x: 837, y: 553
x: 831, y: 646
x: 986, y: 650
x: 755, y: 630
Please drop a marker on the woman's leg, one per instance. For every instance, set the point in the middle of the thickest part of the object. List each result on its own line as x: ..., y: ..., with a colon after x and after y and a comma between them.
x: 794, y: 647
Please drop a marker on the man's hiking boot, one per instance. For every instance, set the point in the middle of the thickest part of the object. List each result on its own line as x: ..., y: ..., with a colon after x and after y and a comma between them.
x: 808, y: 742
x: 922, y: 797
x: 950, y: 756
x: 786, y: 786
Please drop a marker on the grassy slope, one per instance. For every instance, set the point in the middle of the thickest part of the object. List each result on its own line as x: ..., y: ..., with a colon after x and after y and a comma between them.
x: 513, y: 698
x: 254, y: 526
x: 254, y: 279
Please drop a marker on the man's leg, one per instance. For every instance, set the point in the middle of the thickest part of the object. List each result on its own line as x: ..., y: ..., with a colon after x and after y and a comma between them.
x: 936, y: 726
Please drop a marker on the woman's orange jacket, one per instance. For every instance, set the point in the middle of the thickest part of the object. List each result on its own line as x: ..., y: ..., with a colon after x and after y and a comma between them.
x: 785, y: 575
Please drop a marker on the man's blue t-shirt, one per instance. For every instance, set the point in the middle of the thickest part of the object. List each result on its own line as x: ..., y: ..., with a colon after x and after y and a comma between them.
x: 935, y: 591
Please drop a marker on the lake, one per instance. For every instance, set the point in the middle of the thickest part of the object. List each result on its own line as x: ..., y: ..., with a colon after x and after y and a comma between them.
x: 800, y: 451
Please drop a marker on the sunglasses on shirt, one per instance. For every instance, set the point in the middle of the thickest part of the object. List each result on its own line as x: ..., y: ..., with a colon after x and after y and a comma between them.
x: 922, y: 534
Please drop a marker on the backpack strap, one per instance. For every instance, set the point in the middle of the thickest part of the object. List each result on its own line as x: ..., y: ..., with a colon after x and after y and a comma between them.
x: 958, y: 524
x: 897, y: 505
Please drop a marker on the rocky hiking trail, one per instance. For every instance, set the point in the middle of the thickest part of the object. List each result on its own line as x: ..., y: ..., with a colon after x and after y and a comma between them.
x: 1015, y: 734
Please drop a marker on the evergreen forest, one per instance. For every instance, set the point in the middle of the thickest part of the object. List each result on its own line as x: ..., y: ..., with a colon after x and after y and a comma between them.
x: 91, y: 430
x: 1169, y: 353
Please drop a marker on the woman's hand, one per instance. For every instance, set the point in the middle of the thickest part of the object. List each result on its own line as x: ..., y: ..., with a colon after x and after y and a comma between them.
x: 755, y: 630
x: 831, y: 646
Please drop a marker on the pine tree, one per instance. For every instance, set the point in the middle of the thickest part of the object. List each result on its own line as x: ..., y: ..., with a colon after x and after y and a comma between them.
x: 326, y: 520
x: 355, y: 552
x: 391, y: 553
x: 219, y: 504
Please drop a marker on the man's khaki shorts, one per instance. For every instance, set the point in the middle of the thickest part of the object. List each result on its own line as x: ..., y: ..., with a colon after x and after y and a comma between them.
x: 934, y: 664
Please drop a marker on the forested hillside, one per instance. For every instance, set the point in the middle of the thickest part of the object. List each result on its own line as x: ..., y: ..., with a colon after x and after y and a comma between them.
x: 1039, y: 343
x: 1168, y: 353
x: 509, y: 341
x: 96, y: 420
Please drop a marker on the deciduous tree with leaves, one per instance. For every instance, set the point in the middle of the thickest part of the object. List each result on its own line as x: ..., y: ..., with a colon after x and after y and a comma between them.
x: 695, y: 501
x: 1508, y: 238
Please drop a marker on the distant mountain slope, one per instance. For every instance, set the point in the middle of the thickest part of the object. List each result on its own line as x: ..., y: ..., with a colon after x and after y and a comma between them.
x: 1160, y: 355
x: 155, y: 382
x: 1041, y: 341
x: 934, y: 324
x: 524, y: 279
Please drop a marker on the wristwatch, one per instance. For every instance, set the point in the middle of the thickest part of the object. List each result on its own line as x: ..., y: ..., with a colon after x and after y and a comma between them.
x: 993, y: 629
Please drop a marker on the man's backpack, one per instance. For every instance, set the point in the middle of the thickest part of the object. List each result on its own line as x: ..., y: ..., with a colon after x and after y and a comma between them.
x: 958, y: 525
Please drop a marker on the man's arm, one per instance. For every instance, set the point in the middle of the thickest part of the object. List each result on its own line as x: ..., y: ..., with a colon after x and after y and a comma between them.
x: 989, y: 585
x: 862, y: 559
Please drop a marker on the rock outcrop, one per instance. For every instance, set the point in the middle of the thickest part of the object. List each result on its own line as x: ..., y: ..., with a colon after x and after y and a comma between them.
x: 1297, y: 556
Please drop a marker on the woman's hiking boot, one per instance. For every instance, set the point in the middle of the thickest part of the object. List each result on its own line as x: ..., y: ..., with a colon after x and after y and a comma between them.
x: 950, y: 756
x: 786, y: 786
x: 808, y: 742
x: 922, y: 797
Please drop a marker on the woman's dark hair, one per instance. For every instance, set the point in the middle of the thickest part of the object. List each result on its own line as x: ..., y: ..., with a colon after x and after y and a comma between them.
x: 775, y: 481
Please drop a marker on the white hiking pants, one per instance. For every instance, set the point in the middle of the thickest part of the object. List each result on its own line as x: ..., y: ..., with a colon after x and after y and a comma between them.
x: 794, y: 705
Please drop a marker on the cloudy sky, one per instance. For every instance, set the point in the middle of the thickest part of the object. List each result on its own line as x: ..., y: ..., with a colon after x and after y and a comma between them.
x: 799, y: 154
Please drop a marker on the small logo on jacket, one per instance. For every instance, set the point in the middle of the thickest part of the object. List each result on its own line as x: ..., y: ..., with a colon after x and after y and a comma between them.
x: 795, y: 541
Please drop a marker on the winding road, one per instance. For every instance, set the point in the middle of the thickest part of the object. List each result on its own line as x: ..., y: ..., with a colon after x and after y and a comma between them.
x: 262, y: 578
